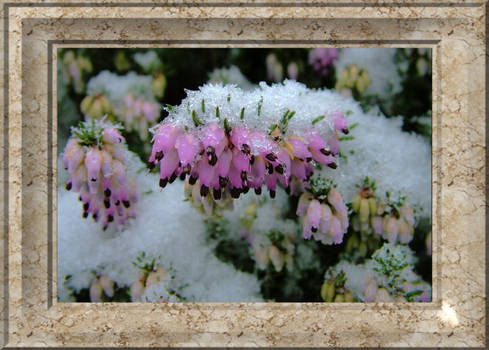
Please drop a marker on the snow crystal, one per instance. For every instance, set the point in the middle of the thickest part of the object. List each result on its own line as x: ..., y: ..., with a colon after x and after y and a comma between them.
x: 116, y: 87
x: 259, y: 109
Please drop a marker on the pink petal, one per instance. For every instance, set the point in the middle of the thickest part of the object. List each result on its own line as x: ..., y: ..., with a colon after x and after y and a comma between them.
x: 187, y: 146
x: 93, y: 162
x: 300, y: 149
x: 168, y: 164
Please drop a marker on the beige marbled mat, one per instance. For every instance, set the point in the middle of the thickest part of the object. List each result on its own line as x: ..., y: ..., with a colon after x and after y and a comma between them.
x: 32, y: 32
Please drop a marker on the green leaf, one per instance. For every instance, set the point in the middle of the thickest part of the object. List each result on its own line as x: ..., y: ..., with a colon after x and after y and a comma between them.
x: 227, y: 127
x: 217, y: 113
x: 196, y: 120
x: 203, y: 106
x: 346, y: 138
x: 353, y: 126
x: 242, y: 113
x: 318, y: 119
x: 272, y: 129
x: 259, y: 105
x: 413, y: 294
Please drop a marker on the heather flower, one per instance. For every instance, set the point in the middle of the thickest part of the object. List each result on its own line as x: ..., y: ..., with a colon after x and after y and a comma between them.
x: 94, y: 161
x: 393, y: 221
x: 292, y: 70
x: 353, y: 81
x: 323, y: 212
x: 275, y: 70
x: 139, y: 114
x: 334, y: 289
x: 96, y: 107
x: 154, y: 283
x: 131, y: 98
x: 75, y: 67
x: 100, y: 286
x: 388, y: 277
x: 229, y: 155
x: 322, y: 59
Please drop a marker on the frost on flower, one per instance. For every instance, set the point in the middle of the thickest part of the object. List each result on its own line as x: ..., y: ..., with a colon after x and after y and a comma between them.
x: 129, y: 97
x: 387, y: 277
x: 233, y: 140
x: 231, y: 75
x: 94, y: 160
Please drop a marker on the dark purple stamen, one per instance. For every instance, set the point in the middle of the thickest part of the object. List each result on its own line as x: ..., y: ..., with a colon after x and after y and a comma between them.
x: 163, y: 182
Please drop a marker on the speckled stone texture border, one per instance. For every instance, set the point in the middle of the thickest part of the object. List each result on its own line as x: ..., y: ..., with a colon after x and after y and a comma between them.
x: 32, y: 31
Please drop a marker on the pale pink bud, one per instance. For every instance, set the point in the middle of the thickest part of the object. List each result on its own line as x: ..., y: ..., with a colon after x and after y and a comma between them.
x: 95, y: 291
x: 111, y: 135
x: 314, y: 215
x: 107, y: 285
x: 93, y: 162
x: 376, y: 223
x: 325, y: 223
x: 303, y: 204
x: 137, y: 290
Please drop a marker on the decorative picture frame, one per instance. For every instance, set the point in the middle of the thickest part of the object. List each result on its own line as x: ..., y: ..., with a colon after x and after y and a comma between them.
x: 32, y: 32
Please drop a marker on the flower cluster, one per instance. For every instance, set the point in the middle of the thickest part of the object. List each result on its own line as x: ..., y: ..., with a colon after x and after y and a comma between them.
x: 353, y: 81
x: 324, y: 214
x: 153, y: 283
x: 129, y: 98
x: 74, y: 68
x: 95, y: 162
x: 235, y: 158
x: 276, y: 248
x: 205, y: 205
x: 139, y: 114
x: 100, y: 286
x: 387, y: 277
x: 322, y: 59
x: 96, y: 107
x: 334, y: 290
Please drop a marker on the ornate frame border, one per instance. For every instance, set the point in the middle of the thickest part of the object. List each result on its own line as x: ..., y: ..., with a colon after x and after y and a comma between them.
x: 33, y: 30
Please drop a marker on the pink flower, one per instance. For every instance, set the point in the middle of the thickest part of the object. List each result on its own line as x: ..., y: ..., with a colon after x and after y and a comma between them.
x: 97, y: 172
x: 322, y: 59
